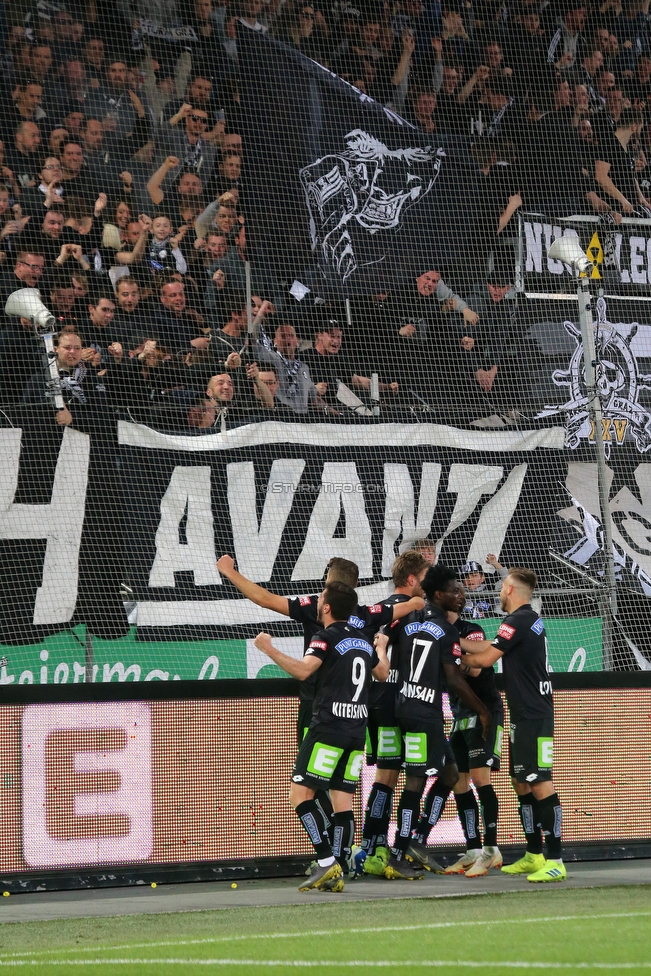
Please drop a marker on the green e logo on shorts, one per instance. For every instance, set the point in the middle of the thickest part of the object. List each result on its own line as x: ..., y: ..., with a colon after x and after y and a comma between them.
x: 415, y: 747
x: 499, y: 737
x: 323, y: 760
x: 354, y: 766
x: 545, y: 752
x: 388, y: 743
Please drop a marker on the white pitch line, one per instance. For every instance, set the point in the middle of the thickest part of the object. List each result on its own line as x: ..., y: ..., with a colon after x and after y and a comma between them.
x: 334, y: 964
x: 315, y: 933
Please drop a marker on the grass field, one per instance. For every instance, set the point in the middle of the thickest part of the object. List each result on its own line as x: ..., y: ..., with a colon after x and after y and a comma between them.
x: 568, y: 930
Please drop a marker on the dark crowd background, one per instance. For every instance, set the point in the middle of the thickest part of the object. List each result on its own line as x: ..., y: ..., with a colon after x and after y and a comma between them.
x: 125, y: 147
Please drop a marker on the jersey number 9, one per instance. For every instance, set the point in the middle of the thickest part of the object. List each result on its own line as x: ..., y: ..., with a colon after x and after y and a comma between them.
x: 358, y: 676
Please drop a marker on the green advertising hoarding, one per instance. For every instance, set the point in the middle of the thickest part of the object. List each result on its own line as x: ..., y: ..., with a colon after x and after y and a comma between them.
x: 574, y: 644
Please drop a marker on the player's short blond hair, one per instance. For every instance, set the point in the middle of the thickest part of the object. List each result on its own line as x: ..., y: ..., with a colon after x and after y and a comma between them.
x: 408, y: 563
x: 525, y: 577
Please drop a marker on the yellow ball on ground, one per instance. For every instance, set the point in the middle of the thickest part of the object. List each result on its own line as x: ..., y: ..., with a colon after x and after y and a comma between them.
x: 233, y: 885
x: 6, y: 894
x: 153, y: 884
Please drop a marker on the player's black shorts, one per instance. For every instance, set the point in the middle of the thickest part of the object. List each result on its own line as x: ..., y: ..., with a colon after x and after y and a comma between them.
x: 384, y: 747
x: 531, y: 750
x: 329, y: 760
x: 426, y: 747
x: 470, y: 749
x: 304, y: 719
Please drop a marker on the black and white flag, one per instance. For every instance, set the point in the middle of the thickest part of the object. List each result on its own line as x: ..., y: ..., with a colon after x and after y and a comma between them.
x: 346, y: 191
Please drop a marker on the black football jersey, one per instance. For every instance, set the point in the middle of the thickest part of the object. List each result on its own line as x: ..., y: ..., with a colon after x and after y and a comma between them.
x: 522, y: 639
x: 341, y: 694
x: 368, y: 620
x: 379, y: 690
x: 483, y: 684
x: 424, y: 646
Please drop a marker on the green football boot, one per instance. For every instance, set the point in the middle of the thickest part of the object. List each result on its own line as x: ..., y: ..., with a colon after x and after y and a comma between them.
x: 526, y: 865
x: 551, y: 871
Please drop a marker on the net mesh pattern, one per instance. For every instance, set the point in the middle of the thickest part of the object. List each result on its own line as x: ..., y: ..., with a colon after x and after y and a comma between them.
x: 283, y: 281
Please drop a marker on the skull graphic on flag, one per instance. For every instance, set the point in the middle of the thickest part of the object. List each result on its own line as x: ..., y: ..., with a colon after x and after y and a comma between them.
x: 363, y: 190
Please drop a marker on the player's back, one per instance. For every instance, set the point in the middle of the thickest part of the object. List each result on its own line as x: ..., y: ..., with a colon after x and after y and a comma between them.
x: 341, y: 694
x: 422, y: 647
x: 522, y: 639
x: 366, y: 620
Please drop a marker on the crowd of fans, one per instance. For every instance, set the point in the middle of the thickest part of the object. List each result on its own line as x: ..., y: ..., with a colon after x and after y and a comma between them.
x: 124, y: 199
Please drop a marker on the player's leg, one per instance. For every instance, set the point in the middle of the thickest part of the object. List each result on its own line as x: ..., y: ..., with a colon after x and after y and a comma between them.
x: 316, y: 761
x: 484, y: 757
x: 408, y: 813
x: 459, y: 747
x: 418, y: 851
x: 468, y: 817
x: 551, y: 819
x: 433, y: 808
x: 377, y: 816
x: 344, y: 828
x: 383, y: 750
x: 307, y: 811
x: 342, y: 789
x: 489, y: 855
x: 302, y: 728
x: 523, y: 763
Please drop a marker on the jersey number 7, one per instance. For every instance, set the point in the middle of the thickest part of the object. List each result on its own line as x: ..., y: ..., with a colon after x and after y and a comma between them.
x: 418, y: 662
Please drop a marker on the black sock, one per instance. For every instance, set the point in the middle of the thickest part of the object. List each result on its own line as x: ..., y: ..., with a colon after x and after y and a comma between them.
x: 469, y: 817
x: 344, y: 837
x: 529, y: 816
x: 322, y: 798
x: 376, y: 818
x: 551, y: 819
x: 489, y: 808
x: 432, y: 811
x: 408, y: 810
x: 312, y: 819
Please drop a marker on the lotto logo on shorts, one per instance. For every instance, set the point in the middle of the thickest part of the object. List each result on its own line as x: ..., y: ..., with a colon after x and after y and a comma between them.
x: 415, y: 747
x: 323, y: 760
x: 87, y: 784
x: 545, y: 752
x: 505, y: 631
x: 305, y: 601
x: 388, y: 743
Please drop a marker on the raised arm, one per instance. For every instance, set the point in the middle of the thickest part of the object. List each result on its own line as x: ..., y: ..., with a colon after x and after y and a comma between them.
x: 154, y: 185
x: 133, y: 257
x: 298, y: 669
x: 206, y: 218
x: 266, y: 396
x: 256, y: 594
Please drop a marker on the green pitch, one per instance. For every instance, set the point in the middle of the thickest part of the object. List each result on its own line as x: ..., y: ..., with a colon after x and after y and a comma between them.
x: 566, y: 930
